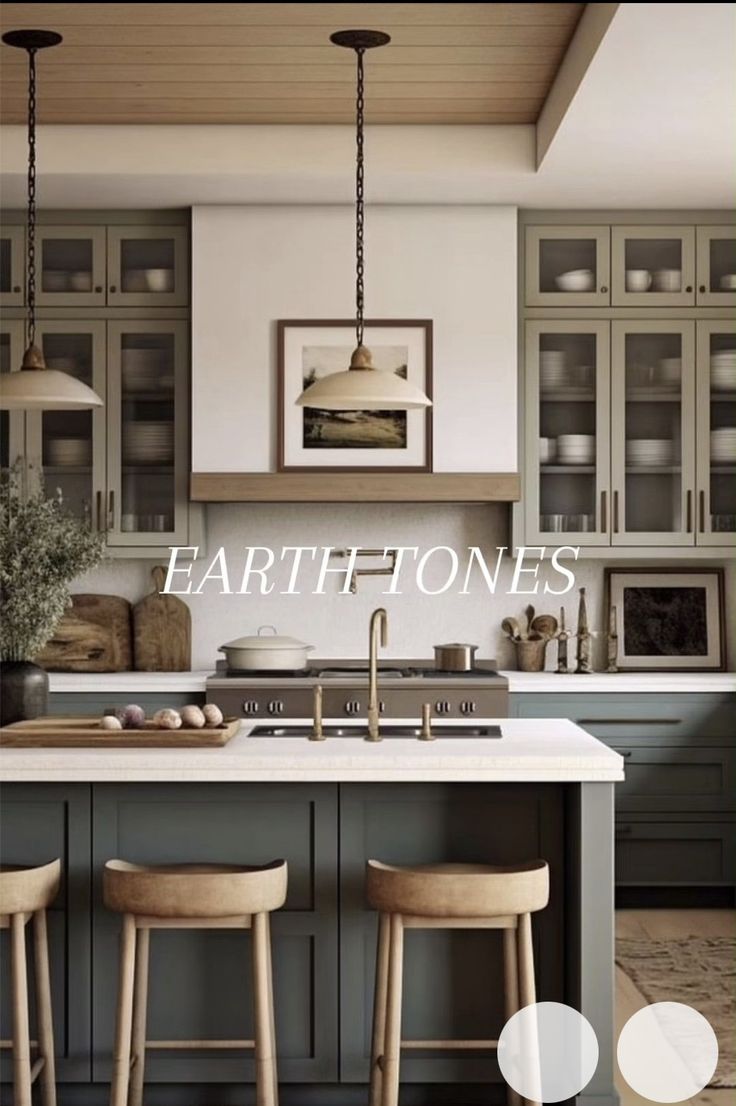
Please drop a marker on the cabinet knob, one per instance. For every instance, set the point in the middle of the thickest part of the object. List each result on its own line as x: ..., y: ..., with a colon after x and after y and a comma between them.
x: 702, y: 288
x: 16, y: 287
x: 604, y: 288
x: 113, y: 288
x: 689, y: 288
x: 98, y: 287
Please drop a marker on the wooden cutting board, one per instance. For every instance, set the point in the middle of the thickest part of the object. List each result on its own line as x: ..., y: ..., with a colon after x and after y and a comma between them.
x: 162, y: 630
x: 72, y: 732
x: 96, y: 635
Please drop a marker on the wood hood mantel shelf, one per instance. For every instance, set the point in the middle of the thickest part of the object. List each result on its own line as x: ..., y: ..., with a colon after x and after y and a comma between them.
x: 354, y: 487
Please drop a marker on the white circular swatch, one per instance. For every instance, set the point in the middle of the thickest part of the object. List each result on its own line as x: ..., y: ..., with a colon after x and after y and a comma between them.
x: 548, y: 1052
x: 667, y: 1052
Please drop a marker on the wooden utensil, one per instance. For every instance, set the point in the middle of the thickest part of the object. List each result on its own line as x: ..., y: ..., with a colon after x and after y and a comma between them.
x: 72, y: 732
x: 511, y: 627
x: 94, y: 636
x: 162, y: 630
x: 545, y: 624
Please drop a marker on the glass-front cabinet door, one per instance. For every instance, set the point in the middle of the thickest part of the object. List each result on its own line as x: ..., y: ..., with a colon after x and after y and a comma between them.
x: 716, y: 434
x: 12, y: 260
x: 147, y: 434
x: 653, y: 266
x: 567, y: 266
x: 717, y: 266
x: 68, y: 447
x: 653, y: 433
x: 567, y: 433
x: 70, y: 266
x: 147, y: 266
x: 12, y: 423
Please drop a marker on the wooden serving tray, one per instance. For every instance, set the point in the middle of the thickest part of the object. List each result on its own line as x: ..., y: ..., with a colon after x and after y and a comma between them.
x: 74, y: 732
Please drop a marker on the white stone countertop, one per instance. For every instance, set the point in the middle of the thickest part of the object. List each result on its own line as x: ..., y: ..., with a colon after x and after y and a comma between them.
x: 530, y: 750
x: 194, y: 682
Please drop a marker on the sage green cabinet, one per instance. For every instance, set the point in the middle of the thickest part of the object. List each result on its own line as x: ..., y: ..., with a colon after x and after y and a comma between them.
x: 716, y: 447
x: 147, y: 266
x: 71, y: 266
x: 12, y: 266
x: 716, y: 275
x: 39, y: 822
x: 554, y: 253
x: 661, y: 257
x: 676, y: 809
x: 200, y: 981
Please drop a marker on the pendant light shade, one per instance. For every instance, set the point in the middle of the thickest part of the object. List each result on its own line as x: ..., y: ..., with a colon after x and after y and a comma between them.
x: 34, y: 387
x: 361, y: 387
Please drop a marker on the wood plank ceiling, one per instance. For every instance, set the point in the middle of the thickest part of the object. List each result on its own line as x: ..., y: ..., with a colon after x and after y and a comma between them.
x: 273, y: 63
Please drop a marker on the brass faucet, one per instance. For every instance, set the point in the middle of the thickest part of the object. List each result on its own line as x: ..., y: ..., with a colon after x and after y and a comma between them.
x: 379, y: 619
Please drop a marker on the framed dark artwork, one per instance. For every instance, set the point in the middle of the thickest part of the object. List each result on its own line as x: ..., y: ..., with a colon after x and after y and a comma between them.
x: 668, y: 619
x: 352, y: 441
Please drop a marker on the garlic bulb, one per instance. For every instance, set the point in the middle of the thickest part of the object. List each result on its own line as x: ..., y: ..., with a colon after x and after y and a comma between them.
x: 167, y: 719
x: 212, y: 715
x: 110, y: 722
x: 192, y: 717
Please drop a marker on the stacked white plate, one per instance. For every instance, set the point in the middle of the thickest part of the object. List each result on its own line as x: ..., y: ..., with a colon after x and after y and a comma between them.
x: 576, y: 449
x: 723, y: 370
x: 148, y: 443
x: 68, y: 451
x: 144, y: 370
x: 553, y: 370
x: 667, y: 280
x: 723, y: 445
x: 649, y: 451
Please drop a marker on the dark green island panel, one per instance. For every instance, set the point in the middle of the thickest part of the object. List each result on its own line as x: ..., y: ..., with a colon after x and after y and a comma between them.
x: 324, y: 938
x: 676, y: 809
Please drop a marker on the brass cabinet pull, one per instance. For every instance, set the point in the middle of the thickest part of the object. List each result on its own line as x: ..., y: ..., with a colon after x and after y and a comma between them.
x: 98, y: 510
x: 701, y: 511
x: 689, y: 511
x: 615, y: 511
x: 111, y: 509
x: 604, y: 517
x: 628, y: 721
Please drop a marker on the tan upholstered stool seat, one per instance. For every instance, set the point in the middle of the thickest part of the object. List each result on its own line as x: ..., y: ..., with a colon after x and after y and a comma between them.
x: 25, y: 893
x: 193, y: 890
x: 447, y: 896
x: 458, y: 890
x: 191, y: 896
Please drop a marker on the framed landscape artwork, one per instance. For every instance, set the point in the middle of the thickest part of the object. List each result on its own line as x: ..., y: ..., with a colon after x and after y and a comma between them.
x: 352, y: 441
x: 668, y: 619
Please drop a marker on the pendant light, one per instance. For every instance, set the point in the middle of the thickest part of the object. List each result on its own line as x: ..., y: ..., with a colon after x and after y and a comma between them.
x: 34, y: 387
x: 362, y: 387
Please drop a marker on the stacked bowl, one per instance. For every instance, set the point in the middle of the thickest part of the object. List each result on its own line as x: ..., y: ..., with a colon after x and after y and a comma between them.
x: 723, y: 445
x: 647, y: 452
x: 148, y: 443
x: 576, y: 449
x: 63, y: 452
x: 667, y: 280
x: 723, y: 370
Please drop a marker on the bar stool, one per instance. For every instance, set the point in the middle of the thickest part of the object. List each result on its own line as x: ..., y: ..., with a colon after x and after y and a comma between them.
x: 190, y: 896
x: 447, y: 896
x: 24, y: 894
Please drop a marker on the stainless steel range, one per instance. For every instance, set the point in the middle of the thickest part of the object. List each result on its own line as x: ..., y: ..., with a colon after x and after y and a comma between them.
x: 404, y: 687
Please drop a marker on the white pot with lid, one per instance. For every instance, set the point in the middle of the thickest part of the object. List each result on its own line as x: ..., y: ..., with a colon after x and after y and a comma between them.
x: 266, y: 652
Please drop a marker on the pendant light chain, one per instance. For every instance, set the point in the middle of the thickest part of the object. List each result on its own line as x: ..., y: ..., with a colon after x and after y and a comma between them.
x: 359, y: 201
x: 31, y: 232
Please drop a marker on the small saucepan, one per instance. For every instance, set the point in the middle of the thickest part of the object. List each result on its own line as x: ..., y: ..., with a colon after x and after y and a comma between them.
x: 455, y: 656
x: 266, y: 653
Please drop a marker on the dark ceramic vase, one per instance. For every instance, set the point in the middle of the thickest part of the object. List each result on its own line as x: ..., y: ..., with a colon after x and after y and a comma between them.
x: 24, y: 691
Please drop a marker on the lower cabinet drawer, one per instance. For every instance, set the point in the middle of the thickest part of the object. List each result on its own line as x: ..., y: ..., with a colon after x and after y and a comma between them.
x: 675, y: 852
x: 671, y: 778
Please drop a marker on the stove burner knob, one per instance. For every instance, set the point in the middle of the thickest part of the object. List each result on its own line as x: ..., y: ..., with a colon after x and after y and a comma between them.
x: 352, y: 706
x: 276, y: 706
x: 468, y: 707
x: 442, y: 706
x: 381, y: 707
x: 250, y: 706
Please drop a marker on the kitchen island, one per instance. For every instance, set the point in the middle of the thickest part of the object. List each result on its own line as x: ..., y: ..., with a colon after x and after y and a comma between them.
x: 545, y: 788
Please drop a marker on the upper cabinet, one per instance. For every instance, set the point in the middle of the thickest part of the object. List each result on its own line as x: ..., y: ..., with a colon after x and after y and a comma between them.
x: 716, y: 433
x: 567, y: 266
x: 661, y: 265
x: 70, y: 263
x: 147, y: 266
x: 12, y: 266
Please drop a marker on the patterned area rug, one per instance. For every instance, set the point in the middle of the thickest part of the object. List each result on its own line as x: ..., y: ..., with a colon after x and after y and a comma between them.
x: 698, y: 971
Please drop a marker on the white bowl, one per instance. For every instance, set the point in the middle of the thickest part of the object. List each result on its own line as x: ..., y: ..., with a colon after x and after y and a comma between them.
x: 160, y: 280
x: 81, y: 281
x: 669, y: 370
x: 638, y: 280
x: 576, y: 280
x: 728, y: 282
x: 667, y: 280
x: 55, y: 280
x: 547, y: 450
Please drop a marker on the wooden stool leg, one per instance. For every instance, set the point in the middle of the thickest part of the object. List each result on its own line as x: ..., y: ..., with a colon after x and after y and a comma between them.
x: 47, y: 1075
x: 140, y: 1003
x: 21, y: 1036
x: 510, y: 994
x: 527, y: 989
x: 264, y: 1049
x: 121, y: 1054
x: 274, y: 1069
x: 392, y: 1049
x: 379, y: 1008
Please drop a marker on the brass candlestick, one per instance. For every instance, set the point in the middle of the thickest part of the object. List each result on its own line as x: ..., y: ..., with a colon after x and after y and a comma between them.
x: 612, y: 642
x: 582, y: 654
x: 563, y: 636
